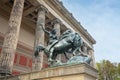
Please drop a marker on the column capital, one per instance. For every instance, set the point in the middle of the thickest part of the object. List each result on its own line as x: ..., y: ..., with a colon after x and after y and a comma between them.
x: 42, y: 8
x: 55, y: 21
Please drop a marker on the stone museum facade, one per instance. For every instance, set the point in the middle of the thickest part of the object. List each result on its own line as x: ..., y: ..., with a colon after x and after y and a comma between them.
x: 21, y: 32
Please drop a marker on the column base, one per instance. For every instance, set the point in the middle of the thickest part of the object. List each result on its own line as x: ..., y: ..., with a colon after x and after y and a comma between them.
x: 4, y: 71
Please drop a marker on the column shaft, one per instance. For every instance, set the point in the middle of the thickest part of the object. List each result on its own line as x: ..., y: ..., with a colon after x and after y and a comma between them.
x: 57, y: 24
x: 11, y: 38
x: 57, y: 27
x: 91, y: 53
x: 39, y: 39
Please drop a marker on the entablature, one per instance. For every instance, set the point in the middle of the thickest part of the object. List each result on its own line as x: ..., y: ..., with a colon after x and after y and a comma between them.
x: 55, y: 10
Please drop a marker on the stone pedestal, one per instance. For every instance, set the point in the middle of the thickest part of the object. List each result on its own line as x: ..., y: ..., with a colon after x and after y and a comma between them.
x: 71, y: 72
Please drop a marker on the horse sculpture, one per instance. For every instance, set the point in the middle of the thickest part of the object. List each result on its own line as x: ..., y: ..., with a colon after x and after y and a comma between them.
x: 68, y: 41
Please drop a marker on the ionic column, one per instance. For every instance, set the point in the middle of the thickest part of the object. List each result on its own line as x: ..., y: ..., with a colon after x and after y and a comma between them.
x: 57, y: 23
x: 11, y: 38
x: 39, y: 38
x: 91, y: 53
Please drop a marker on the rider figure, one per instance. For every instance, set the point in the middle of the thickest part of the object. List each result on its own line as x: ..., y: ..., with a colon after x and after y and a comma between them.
x: 66, y: 34
x: 52, y: 40
x: 52, y: 35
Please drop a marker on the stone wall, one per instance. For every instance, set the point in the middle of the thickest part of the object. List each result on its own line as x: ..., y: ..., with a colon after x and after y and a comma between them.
x: 23, y: 55
x: 25, y: 35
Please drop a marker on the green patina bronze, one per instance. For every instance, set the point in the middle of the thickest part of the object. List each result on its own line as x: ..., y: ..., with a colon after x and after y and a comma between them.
x: 77, y: 59
x: 69, y: 41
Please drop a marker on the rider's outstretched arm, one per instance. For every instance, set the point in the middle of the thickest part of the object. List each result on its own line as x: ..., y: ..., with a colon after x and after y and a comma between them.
x: 45, y: 30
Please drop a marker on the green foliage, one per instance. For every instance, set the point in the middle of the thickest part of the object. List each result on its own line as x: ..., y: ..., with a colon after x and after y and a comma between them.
x: 119, y: 68
x: 108, y: 70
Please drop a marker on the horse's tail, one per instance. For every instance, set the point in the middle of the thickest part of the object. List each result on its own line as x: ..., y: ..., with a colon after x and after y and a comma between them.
x: 38, y: 49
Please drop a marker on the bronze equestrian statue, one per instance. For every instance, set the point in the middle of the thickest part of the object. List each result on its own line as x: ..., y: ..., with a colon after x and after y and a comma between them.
x: 68, y: 41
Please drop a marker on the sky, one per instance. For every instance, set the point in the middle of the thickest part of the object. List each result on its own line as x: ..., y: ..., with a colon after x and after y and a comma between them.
x: 101, y: 18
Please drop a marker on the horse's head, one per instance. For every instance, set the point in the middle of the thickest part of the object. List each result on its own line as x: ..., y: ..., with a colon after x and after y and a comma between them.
x: 77, y: 40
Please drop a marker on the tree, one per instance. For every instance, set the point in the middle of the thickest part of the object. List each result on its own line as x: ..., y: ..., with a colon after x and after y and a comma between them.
x: 108, y: 70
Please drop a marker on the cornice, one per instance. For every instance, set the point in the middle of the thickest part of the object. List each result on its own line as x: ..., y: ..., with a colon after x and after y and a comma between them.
x: 72, y: 20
